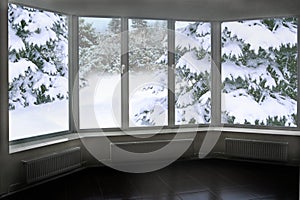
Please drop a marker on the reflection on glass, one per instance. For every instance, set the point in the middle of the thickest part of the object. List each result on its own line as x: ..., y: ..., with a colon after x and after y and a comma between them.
x: 192, y: 75
x: 99, y: 72
x: 259, y: 72
x: 148, y: 77
x: 38, y: 72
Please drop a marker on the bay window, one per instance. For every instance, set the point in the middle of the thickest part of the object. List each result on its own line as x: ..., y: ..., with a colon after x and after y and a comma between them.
x: 128, y: 69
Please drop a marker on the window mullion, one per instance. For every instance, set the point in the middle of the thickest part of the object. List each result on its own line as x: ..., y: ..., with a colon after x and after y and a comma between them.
x: 298, y: 73
x: 124, y: 69
x: 4, y: 116
x: 216, y: 73
x: 73, y: 74
x: 171, y: 73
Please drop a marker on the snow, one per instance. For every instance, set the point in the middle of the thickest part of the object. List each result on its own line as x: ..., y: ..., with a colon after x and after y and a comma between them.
x: 201, y: 38
x: 147, y: 94
x: 231, y: 70
x: 107, y: 100
x: 15, y: 42
x: 204, y: 28
x: 183, y: 41
x: 49, y: 68
x: 191, y: 110
x: 19, y: 68
x: 286, y: 35
x: 20, y: 14
x: 232, y: 49
x: 43, y: 79
x: 41, y: 38
x: 185, y: 98
x: 190, y: 61
x: 257, y: 35
x: 60, y: 87
x: 243, y: 107
x: 180, y: 25
x: 44, y: 119
x: 102, y: 99
x: 284, y: 106
x: 38, y: 24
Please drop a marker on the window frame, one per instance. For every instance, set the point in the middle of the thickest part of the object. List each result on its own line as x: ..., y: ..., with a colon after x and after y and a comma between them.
x: 216, y: 67
x: 265, y: 127
x: 70, y: 80
x: 213, y: 73
x: 125, y: 79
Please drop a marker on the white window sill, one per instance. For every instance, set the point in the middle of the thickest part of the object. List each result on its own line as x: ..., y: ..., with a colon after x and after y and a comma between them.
x: 15, y: 148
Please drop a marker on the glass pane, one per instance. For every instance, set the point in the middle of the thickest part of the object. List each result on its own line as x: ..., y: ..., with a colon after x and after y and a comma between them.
x: 192, y: 75
x: 148, y: 76
x: 259, y: 72
x: 99, y: 72
x: 38, y: 72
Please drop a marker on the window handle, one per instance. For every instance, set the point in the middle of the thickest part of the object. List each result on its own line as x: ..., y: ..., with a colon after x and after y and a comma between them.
x: 123, y: 68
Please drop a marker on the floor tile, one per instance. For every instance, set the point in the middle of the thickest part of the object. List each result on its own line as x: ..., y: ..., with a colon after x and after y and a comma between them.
x: 205, y: 195
x: 195, y: 180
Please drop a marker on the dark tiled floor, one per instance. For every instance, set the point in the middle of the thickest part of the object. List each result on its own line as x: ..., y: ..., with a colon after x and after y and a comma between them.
x: 185, y: 180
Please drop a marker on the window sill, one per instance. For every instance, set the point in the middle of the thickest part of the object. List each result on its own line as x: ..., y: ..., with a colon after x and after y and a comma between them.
x: 15, y: 148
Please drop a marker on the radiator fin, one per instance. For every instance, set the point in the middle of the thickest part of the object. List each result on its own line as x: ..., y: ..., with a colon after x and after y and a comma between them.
x: 53, y: 164
x: 256, y: 149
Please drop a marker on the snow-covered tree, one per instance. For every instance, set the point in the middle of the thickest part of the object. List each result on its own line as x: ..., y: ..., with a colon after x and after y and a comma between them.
x: 88, y: 39
x: 103, y: 54
x: 87, y: 34
x: 260, y: 72
x: 147, y: 44
x: 193, y: 74
x: 147, y: 58
x: 192, y: 61
x: 139, y: 24
x: 114, y: 26
x: 38, y: 56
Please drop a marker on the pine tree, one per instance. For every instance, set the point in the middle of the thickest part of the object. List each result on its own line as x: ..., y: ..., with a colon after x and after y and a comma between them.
x: 88, y: 38
x: 103, y: 54
x: 87, y: 34
x: 192, y: 83
x: 38, y: 57
x: 114, y: 26
x: 272, y: 71
x: 139, y: 24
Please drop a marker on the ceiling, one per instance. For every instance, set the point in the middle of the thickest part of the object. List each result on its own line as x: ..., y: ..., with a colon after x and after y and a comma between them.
x: 212, y: 10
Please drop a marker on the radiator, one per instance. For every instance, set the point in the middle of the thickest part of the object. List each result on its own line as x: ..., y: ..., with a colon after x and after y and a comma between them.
x: 256, y: 149
x: 52, y: 164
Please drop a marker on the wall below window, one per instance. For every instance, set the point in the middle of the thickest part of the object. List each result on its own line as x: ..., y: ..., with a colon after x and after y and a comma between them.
x: 15, y: 175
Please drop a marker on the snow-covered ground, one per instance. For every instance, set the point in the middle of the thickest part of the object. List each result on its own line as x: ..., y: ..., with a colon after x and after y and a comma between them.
x: 148, y: 98
x: 100, y: 101
x: 39, y: 120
